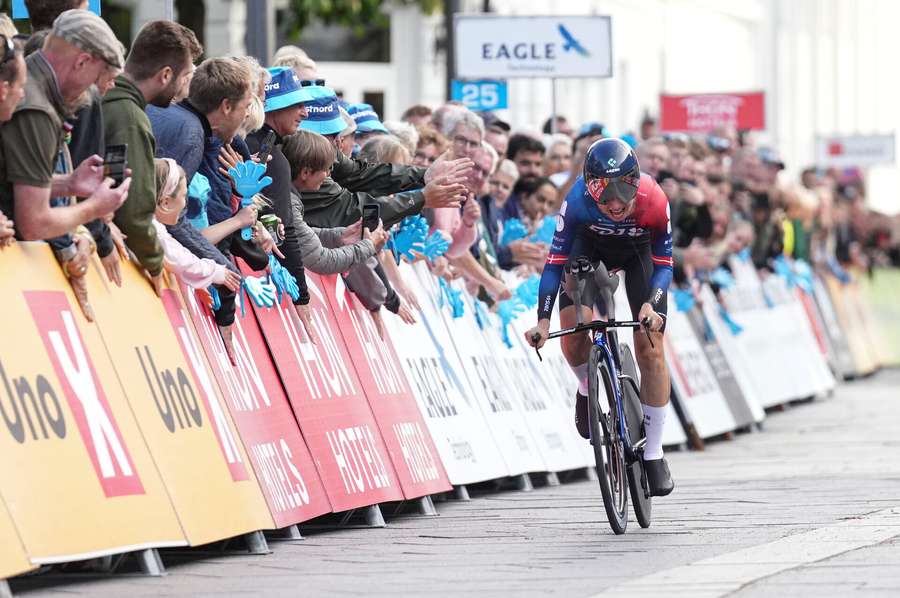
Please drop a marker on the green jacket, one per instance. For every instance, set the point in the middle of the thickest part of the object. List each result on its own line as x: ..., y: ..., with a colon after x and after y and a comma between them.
x: 127, y: 123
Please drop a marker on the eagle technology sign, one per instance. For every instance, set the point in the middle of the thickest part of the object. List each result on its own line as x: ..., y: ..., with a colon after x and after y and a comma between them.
x: 551, y: 47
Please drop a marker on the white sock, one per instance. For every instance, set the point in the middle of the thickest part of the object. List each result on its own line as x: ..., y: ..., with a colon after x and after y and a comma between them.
x: 654, y: 421
x: 581, y: 372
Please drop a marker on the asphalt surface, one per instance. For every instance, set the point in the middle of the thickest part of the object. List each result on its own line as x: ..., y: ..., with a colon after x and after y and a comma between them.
x: 810, y: 506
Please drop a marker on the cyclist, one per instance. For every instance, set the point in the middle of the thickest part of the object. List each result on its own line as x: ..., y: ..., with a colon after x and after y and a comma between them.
x: 615, y: 214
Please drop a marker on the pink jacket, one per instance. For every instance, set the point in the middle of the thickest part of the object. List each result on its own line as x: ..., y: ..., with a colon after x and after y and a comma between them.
x: 449, y: 220
x: 196, y: 272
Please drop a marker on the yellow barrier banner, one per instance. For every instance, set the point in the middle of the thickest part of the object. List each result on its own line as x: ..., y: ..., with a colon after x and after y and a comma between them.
x: 13, y: 559
x: 178, y: 404
x: 880, y: 293
x: 846, y: 304
x: 76, y: 474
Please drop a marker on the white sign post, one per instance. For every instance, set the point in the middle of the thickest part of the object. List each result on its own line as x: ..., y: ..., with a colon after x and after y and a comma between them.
x: 505, y: 47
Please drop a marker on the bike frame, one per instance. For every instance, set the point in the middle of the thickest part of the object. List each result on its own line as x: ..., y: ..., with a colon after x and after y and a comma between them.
x: 603, y: 336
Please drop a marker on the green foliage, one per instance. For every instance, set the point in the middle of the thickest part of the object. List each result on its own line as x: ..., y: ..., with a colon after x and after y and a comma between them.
x: 356, y: 14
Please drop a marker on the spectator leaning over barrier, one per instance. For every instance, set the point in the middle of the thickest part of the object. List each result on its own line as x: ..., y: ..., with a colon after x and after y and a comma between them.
x: 536, y: 196
x: 417, y: 115
x: 12, y: 89
x: 297, y: 59
x: 196, y: 272
x: 80, y: 50
x: 405, y: 132
x: 286, y: 107
x: 528, y: 155
x: 158, y: 66
x: 86, y: 138
x: 496, y: 133
x: 368, y: 124
x: 346, y: 139
x: 558, y: 159
x: 431, y: 145
x: 562, y: 126
x: 653, y: 156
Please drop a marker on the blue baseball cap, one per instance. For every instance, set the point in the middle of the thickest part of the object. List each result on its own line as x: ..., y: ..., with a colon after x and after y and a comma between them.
x: 366, y: 118
x: 324, y: 116
x: 284, y: 90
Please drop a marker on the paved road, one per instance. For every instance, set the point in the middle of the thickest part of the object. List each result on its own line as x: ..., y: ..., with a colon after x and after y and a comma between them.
x: 809, y: 507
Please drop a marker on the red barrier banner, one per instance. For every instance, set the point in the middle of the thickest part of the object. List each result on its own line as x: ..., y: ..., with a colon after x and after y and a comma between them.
x: 329, y: 403
x: 405, y: 433
x: 265, y: 422
x: 700, y: 113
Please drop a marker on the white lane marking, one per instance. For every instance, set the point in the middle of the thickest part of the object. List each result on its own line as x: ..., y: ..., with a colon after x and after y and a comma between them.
x: 721, y: 575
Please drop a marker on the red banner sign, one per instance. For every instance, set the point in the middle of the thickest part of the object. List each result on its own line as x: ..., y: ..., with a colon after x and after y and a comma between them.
x: 82, y: 389
x: 701, y: 113
x: 405, y: 433
x: 329, y: 403
x: 252, y: 390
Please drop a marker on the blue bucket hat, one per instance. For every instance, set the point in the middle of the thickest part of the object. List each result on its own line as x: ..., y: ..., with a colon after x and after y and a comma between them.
x: 284, y: 90
x: 366, y: 118
x: 324, y: 116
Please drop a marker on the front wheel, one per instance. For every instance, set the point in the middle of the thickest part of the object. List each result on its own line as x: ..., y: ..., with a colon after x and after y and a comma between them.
x: 609, y: 453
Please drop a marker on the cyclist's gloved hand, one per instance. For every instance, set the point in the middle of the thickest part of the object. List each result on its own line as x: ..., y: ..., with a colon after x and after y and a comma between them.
x: 513, y: 230
x: 435, y: 245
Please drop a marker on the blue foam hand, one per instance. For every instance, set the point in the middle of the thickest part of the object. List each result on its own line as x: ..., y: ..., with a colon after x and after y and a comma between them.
x: 216, y: 300
x: 481, y: 315
x: 513, y: 230
x: 722, y: 277
x: 452, y: 297
x: 508, y: 311
x: 527, y: 292
x: 544, y: 233
x: 410, y: 237
x: 744, y: 254
x: 733, y: 326
x: 260, y: 292
x: 804, y: 276
x: 248, y: 178
x: 838, y: 271
x: 684, y: 300
x: 435, y: 245
x: 284, y: 281
x: 783, y: 269
x: 198, y: 197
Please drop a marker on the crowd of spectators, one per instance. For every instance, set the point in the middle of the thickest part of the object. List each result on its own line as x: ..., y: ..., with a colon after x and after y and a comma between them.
x: 69, y: 91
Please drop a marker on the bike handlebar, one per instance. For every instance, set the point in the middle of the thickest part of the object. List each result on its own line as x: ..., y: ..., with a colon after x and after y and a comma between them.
x: 595, y: 325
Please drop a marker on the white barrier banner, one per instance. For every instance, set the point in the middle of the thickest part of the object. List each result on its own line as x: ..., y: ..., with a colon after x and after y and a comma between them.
x: 502, y: 403
x: 442, y: 392
x: 693, y: 379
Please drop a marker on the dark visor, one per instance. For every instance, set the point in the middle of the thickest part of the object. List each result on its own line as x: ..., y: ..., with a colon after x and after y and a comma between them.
x: 606, y: 190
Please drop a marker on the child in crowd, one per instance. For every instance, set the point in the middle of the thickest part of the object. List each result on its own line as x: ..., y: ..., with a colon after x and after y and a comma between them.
x: 170, y: 201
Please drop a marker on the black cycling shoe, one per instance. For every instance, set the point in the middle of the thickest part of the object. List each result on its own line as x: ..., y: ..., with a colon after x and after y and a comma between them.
x: 581, y: 415
x: 658, y: 477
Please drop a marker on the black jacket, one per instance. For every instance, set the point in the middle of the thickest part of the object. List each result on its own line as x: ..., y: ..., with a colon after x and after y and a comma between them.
x: 354, y: 183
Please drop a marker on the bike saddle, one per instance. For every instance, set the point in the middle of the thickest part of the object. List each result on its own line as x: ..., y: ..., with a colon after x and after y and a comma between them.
x: 604, y: 280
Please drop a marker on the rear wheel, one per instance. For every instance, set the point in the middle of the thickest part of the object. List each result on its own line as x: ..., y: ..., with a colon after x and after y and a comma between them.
x: 637, y: 477
x: 609, y: 453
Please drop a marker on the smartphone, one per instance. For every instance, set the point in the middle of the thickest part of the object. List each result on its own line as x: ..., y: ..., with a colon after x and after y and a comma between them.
x: 115, y: 162
x: 371, y: 216
x: 265, y: 148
